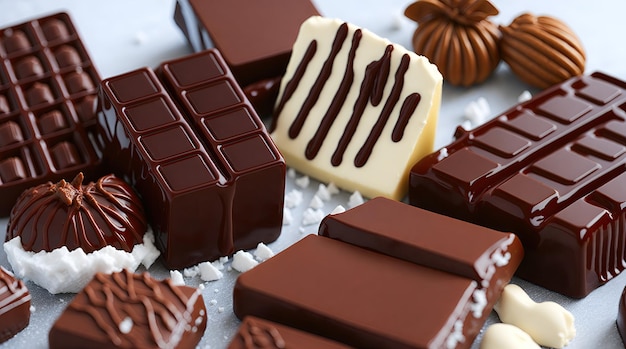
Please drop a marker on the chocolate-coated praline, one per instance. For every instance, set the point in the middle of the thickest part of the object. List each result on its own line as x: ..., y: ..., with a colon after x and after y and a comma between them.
x: 28, y: 66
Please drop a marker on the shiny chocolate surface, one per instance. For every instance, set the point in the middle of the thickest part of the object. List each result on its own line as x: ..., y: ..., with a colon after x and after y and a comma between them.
x: 551, y: 170
x: 43, y: 136
x: 14, y: 305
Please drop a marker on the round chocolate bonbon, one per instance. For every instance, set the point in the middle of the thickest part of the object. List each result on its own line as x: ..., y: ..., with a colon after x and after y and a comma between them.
x: 541, y: 50
x: 92, y: 216
x: 457, y: 37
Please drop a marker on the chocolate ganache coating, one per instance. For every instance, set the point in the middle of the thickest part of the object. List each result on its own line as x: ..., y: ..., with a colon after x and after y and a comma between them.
x: 92, y: 216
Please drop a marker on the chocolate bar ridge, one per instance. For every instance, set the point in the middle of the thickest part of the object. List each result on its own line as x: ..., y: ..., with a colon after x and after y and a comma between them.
x: 131, y: 310
x: 550, y: 170
x: 329, y: 285
x: 197, y: 153
x: 14, y: 305
x: 47, y: 103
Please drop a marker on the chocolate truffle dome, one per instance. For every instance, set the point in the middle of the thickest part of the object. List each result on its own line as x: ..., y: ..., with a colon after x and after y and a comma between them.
x: 102, y: 213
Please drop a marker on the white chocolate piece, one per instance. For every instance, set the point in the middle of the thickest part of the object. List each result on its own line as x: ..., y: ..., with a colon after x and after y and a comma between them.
x: 382, y: 170
x: 548, y: 323
x: 498, y: 336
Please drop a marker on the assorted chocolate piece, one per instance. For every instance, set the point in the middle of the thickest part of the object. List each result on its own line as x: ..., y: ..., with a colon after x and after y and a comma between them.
x: 355, y: 109
x: 621, y: 316
x: 551, y: 170
x: 127, y: 310
x: 43, y: 136
x: 199, y: 156
x: 257, y: 333
x: 458, y: 37
x: 385, y: 275
x: 102, y: 213
x: 255, y: 38
x: 14, y: 305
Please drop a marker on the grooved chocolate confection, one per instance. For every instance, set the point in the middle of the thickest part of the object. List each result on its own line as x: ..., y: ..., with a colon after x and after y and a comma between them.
x: 256, y: 333
x: 621, y: 316
x: 552, y: 170
x: 14, y: 305
x: 385, y: 275
x: 90, y: 217
x: 44, y: 134
x: 192, y: 145
x: 127, y: 310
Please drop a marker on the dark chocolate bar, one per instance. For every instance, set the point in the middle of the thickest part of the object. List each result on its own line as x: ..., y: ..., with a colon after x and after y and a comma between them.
x: 14, y: 305
x: 390, y: 283
x: 256, y: 333
x: 127, y: 310
x: 47, y: 103
x: 192, y: 145
x: 551, y: 170
x: 254, y: 37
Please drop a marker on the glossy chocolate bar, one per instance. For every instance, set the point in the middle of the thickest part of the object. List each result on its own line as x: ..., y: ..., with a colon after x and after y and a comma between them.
x: 128, y: 310
x: 47, y: 102
x: 254, y: 37
x: 192, y: 145
x: 391, y: 283
x: 14, y: 305
x: 257, y: 333
x: 552, y: 170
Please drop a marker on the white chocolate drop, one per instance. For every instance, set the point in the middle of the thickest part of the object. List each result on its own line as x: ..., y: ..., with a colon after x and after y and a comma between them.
x: 498, y: 336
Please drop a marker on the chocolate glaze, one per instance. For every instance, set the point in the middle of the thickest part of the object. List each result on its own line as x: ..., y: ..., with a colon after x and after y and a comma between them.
x: 129, y: 310
x: 437, y: 277
x: 200, y: 157
x: 90, y: 217
x: 549, y: 170
x: 55, y: 144
x: 256, y: 333
x: 14, y: 305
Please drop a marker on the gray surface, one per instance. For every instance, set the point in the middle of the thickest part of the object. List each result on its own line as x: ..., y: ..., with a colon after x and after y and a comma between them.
x: 124, y: 35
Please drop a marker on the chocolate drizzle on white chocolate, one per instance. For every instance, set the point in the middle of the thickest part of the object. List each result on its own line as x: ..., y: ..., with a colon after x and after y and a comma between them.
x: 371, y: 92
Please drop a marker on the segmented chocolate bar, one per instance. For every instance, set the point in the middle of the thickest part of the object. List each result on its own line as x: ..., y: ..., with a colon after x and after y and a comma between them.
x: 385, y: 275
x: 552, y: 170
x: 127, y: 310
x: 47, y: 102
x: 14, y: 305
x: 355, y: 109
x: 198, y: 154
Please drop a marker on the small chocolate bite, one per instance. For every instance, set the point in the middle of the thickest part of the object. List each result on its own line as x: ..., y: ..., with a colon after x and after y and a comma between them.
x: 10, y: 132
x: 15, y: 40
x: 78, y: 81
x: 127, y: 310
x: 54, y: 29
x: 64, y: 155
x: 28, y: 66
x: 39, y: 93
x: 67, y: 56
x: 262, y: 94
x: 12, y: 169
x: 102, y: 213
x: 4, y: 104
x: 86, y: 108
x: 14, y: 305
x: 51, y: 121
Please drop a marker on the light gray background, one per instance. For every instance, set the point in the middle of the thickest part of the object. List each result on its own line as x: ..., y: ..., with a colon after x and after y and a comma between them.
x: 122, y: 35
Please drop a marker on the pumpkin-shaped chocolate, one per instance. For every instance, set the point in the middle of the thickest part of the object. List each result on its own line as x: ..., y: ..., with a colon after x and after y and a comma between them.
x: 457, y: 37
x: 541, y: 50
x: 92, y: 216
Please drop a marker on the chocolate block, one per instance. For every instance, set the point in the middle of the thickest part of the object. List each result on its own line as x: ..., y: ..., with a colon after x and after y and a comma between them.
x: 258, y: 333
x: 255, y: 38
x: 14, y: 305
x: 128, y: 310
x: 195, y: 150
x: 391, y: 283
x: 38, y: 107
x: 550, y: 170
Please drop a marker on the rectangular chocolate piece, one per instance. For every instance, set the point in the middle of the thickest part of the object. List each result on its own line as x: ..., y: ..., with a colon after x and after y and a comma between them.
x: 254, y: 37
x: 199, y: 156
x: 47, y: 101
x: 255, y: 332
x: 552, y: 170
x: 368, y: 299
x: 128, y: 310
x: 14, y: 305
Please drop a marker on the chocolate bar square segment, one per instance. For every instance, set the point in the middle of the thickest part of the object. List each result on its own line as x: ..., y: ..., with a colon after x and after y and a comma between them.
x: 15, y: 40
x: 12, y: 169
x: 254, y: 38
x: 132, y: 86
x: 187, y: 173
x: 231, y: 124
x: 553, y: 194
x: 124, y: 309
x: 168, y: 143
x: 15, y: 305
x: 10, y: 133
x: 213, y: 97
x: 151, y: 114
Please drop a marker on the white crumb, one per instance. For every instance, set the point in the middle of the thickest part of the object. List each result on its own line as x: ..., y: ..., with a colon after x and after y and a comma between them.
x: 316, y: 202
x: 126, y: 325
x: 220, y: 309
x: 332, y: 188
x: 355, y: 199
x: 477, y: 111
x: 525, y: 96
x: 293, y: 198
x: 338, y: 209
x: 287, y: 216
x: 243, y: 261
x: 312, y: 216
x: 322, y: 192
x: 191, y: 271
x: 177, y: 278
x: 208, y: 272
x: 303, y: 182
x: 467, y: 125
x: 213, y: 302
x: 263, y: 252
x: 291, y: 173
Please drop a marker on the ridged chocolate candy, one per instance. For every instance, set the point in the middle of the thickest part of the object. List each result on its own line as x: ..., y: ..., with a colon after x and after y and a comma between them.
x: 457, y: 37
x: 541, y: 50
x: 92, y: 216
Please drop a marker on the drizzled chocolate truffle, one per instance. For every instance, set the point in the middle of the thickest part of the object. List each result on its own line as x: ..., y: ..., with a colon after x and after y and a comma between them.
x: 92, y: 216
